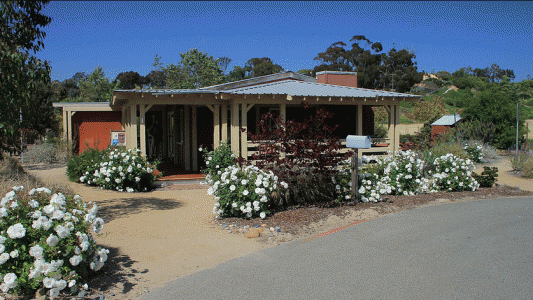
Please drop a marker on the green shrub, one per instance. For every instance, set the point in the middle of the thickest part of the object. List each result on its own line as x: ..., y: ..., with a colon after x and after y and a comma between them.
x: 121, y: 170
x: 380, y: 131
x: 523, y: 162
x: 77, y: 165
x: 217, y: 161
x: 441, y: 148
x: 453, y: 173
x: 474, y: 151
x: 244, y: 193
x: 487, y: 177
x: 46, y: 243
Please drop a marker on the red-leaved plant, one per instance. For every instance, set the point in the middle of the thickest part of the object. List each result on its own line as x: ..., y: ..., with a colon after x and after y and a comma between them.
x: 303, y: 154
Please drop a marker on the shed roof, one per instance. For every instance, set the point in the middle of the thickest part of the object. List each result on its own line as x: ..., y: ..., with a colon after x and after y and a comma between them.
x: 300, y: 88
x: 447, y: 120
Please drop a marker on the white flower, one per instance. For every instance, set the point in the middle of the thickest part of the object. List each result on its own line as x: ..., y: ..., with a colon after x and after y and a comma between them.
x: 3, y: 258
x: 48, y: 209
x: 262, y: 215
x: 71, y: 283
x: 234, y: 204
x: 232, y: 187
x: 3, y: 212
x: 137, y: 179
x: 52, y: 240
x: 2, y: 248
x: 10, y: 279
x: 33, y: 203
x: 60, y: 284
x: 16, y: 231
x: 36, y: 251
x: 14, y: 253
x: 245, y: 192
x: 54, y: 292
x: 98, y: 225
x: 75, y: 260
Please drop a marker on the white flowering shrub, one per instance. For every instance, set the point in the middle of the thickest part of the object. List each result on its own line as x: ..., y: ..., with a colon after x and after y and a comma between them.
x: 46, y: 243
x: 217, y: 160
x: 244, y: 193
x: 398, y: 174
x: 453, y: 174
x: 121, y: 170
x: 475, y: 151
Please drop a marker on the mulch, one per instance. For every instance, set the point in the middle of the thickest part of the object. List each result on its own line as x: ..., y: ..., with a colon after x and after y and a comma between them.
x: 294, y: 219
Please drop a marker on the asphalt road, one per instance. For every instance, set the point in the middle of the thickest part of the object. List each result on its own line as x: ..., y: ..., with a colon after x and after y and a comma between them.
x: 469, y: 250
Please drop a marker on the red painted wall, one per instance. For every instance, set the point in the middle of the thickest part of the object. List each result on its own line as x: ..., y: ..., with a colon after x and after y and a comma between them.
x: 439, y: 130
x: 338, y: 79
x: 94, y: 128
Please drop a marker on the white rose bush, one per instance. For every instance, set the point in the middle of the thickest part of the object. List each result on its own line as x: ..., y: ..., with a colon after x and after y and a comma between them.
x: 453, y: 174
x: 244, y: 192
x: 46, y: 243
x: 120, y: 170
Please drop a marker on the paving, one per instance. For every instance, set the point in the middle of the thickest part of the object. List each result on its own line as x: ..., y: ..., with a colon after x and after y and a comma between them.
x: 474, y: 250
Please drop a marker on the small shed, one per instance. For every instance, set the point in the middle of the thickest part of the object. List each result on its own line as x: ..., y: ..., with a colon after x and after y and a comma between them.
x: 442, y: 125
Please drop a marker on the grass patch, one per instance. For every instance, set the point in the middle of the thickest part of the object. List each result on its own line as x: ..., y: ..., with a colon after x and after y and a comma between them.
x: 523, y: 163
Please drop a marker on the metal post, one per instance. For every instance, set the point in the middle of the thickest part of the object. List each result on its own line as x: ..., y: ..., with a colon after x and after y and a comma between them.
x: 21, y: 139
x: 517, y: 119
x: 355, y: 181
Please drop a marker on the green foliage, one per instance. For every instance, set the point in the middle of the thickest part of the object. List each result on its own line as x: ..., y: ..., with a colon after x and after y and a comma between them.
x: 444, y: 75
x: 195, y: 70
x: 426, y: 110
x: 487, y: 178
x: 47, y: 243
x: 77, y: 165
x: 218, y: 160
x: 20, y: 33
x: 244, y: 193
x: 129, y: 80
x: 453, y: 174
x: 495, y: 105
x: 472, y: 130
x: 376, y: 69
x: 121, y: 170
x: 523, y: 162
x: 441, y: 148
x: 474, y: 151
x: 96, y: 87
x: 380, y: 131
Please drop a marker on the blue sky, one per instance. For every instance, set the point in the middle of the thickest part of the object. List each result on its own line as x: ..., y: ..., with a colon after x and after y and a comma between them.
x: 124, y: 36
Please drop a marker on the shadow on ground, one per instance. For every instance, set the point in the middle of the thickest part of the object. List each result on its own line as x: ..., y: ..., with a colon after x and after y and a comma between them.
x: 41, y: 167
x: 118, y: 272
x: 118, y: 208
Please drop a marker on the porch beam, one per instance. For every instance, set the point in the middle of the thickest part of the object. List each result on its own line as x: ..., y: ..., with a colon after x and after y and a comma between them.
x: 211, y: 108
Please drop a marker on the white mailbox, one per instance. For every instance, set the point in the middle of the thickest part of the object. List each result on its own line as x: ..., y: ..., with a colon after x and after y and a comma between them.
x: 358, y: 141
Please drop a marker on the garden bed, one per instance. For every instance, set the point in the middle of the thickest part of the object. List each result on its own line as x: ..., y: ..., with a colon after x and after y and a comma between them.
x: 296, y: 220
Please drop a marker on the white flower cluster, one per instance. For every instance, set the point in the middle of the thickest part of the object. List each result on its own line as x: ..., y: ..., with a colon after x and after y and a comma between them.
x: 243, y: 193
x: 398, y: 174
x: 121, y: 170
x: 39, y: 235
x: 453, y: 174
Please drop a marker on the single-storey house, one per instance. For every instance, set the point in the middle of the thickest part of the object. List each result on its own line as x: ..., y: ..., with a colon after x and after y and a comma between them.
x: 171, y: 124
x: 442, y: 125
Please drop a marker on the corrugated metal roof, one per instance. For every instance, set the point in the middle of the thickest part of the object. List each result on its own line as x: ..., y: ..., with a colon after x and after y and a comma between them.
x: 300, y: 88
x: 169, y: 91
x: 447, y: 120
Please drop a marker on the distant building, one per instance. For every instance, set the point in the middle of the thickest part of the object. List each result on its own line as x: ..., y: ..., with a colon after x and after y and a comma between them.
x: 442, y: 125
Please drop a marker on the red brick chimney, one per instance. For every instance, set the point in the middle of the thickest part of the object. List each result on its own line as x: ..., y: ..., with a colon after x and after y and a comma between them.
x: 337, y: 78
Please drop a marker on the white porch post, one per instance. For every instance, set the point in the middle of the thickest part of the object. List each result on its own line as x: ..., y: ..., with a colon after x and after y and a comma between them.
x: 142, y: 130
x: 65, y: 125
x: 235, y: 132
x: 224, y: 125
x: 216, y: 127
x: 133, y: 126
x: 70, y: 113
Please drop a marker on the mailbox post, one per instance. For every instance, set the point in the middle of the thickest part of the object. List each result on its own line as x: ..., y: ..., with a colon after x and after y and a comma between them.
x: 356, y: 142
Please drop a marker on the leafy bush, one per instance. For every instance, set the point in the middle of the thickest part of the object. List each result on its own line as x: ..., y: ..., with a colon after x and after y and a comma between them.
x: 487, y: 177
x: 453, y: 174
x: 523, y: 162
x: 217, y: 160
x: 428, y: 109
x: 475, y: 152
x: 77, y: 165
x: 299, y: 151
x: 398, y: 174
x: 46, y: 153
x: 46, y: 242
x: 121, y: 170
x: 244, y: 193
x: 441, y: 148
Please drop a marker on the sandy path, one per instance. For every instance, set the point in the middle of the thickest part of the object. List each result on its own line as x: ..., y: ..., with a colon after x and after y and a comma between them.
x: 154, y: 237
x: 159, y: 236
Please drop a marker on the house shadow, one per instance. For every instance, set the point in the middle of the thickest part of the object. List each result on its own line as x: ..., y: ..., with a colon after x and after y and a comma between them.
x: 43, y: 167
x: 118, y: 271
x: 122, y: 207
